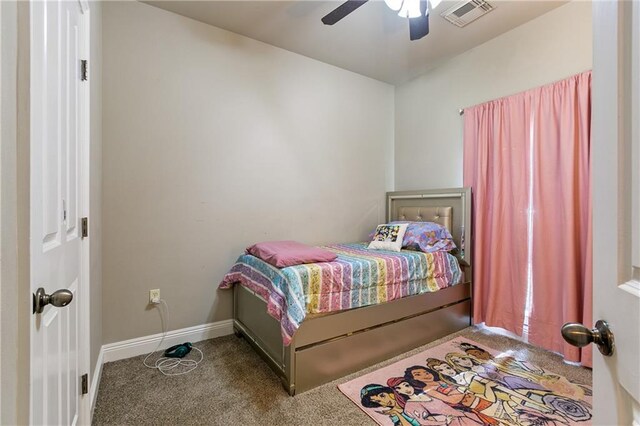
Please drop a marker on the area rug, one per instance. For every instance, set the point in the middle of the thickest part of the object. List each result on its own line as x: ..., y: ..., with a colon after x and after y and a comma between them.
x: 461, y: 382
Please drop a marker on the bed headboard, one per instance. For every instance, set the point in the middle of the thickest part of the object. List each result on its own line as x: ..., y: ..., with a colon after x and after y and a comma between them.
x: 449, y: 207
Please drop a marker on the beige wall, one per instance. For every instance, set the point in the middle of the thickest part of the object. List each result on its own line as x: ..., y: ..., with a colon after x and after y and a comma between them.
x: 2, y: 126
x: 428, y: 130
x: 8, y: 218
x: 213, y: 141
x: 95, y: 182
x: 15, y: 300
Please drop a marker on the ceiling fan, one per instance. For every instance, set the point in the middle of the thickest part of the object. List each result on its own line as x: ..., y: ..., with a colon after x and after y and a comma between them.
x: 417, y: 11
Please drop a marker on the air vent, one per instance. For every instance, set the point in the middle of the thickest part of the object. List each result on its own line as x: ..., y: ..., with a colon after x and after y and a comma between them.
x: 465, y: 12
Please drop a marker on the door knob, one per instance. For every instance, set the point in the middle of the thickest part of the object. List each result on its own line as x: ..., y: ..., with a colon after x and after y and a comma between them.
x: 578, y: 335
x: 60, y: 299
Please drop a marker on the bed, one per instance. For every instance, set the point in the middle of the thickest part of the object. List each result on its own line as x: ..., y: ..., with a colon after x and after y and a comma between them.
x: 328, y: 345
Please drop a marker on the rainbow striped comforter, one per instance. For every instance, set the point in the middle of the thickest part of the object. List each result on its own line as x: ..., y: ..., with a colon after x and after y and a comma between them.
x: 358, y: 277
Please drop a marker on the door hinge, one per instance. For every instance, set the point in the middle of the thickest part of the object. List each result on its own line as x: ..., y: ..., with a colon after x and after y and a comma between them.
x: 85, y: 227
x: 85, y: 384
x: 84, y: 70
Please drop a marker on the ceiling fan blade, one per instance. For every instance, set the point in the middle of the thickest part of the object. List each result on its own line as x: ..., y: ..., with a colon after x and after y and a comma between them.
x: 419, y: 27
x: 341, y: 11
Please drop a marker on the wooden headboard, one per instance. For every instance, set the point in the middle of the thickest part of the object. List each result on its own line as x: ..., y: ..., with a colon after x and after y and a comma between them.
x: 449, y: 207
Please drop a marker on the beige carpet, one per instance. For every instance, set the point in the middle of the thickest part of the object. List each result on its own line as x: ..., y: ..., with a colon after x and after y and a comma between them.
x: 233, y: 386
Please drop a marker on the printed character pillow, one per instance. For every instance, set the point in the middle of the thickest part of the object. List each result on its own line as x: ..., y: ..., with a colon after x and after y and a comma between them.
x: 388, y: 237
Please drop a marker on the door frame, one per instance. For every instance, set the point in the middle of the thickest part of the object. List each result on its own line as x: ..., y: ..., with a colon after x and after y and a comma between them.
x: 84, y: 326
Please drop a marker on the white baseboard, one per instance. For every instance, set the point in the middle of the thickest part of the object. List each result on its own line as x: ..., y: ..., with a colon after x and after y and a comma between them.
x: 143, y: 345
x: 95, y: 382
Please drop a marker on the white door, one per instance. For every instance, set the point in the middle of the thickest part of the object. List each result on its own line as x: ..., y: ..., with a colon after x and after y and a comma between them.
x: 58, y: 143
x: 616, y: 207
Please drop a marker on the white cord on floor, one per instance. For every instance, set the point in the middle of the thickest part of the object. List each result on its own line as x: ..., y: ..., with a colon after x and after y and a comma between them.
x: 166, y: 364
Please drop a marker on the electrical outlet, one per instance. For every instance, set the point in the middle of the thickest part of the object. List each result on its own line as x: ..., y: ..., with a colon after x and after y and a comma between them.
x: 154, y: 296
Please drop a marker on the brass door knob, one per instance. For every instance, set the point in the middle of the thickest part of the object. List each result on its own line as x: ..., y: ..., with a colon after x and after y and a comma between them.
x: 578, y: 335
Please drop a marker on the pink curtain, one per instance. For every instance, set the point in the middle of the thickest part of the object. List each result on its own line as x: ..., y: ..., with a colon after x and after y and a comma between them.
x: 526, y: 158
x: 496, y: 150
x: 561, y: 255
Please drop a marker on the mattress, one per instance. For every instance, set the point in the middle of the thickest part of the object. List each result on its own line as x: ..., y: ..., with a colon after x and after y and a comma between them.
x: 358, y: 277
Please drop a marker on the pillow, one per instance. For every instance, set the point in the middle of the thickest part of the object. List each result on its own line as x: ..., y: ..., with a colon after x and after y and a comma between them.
x: 388, y: 237
x: 427, y: 237
x: 289, y: 253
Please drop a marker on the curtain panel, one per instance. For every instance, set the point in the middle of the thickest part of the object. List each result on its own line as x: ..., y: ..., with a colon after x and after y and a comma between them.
x: 527, y: 160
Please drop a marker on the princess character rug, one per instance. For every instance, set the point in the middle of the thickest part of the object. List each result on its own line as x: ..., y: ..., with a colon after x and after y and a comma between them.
x: 461, y: 382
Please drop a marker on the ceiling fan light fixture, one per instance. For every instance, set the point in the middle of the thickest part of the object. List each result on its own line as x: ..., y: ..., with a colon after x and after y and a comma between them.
x: 394, y: 4
x: 410, y: 9
x: 416, y: 11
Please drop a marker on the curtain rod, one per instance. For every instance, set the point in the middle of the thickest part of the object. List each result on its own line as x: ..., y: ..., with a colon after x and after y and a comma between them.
x: 461, y: 111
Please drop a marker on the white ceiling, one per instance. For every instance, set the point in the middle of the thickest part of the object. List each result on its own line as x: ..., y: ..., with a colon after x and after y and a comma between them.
x: 372, y: 41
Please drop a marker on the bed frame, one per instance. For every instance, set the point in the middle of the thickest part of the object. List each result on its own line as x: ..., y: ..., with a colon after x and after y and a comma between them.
x: 329, y: 346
